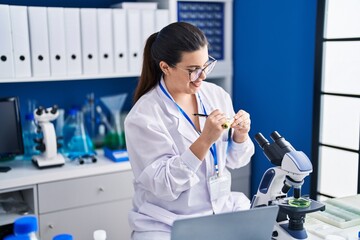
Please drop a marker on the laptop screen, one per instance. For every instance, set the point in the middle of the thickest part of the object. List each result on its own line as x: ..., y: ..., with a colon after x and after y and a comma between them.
x: 255, y: 223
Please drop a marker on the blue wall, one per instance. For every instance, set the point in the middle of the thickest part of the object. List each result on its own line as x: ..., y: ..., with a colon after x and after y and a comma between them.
x: 274, y: 43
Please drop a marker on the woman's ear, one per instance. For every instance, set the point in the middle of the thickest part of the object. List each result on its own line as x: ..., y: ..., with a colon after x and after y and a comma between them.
x: 164, y: 67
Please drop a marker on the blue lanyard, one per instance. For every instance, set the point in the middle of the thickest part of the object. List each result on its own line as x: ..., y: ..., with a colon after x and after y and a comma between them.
x: 213, y: 147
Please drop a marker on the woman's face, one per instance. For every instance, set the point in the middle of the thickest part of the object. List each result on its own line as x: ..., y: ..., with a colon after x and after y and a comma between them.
x: 178, y: 77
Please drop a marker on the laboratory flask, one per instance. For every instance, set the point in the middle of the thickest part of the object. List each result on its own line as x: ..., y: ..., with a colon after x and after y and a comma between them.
x: 77, y: 142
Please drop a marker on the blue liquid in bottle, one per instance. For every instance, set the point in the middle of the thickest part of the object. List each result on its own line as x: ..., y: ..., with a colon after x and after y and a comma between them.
x: 77, y: 142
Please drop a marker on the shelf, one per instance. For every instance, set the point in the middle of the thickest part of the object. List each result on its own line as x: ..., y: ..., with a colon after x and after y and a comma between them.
x: 68, y: 78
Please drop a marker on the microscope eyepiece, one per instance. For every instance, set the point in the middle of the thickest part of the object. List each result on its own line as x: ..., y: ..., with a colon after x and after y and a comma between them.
x: 54, y: 109
x: 275, y: 135
x: 261, y: 140
x: 40, y: 110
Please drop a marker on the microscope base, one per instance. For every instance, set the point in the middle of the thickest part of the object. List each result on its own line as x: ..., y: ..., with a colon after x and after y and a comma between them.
x: 283, y: 233
x: 42, y: 162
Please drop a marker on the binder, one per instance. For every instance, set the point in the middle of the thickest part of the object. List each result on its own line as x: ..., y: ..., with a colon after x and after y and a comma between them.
x: 105, y: 34
x: 89, y: 40
x: 20, y: 41
x: 6, y: 51
x: 73, y: 41
x: 39, y: 41
x: 147, y: 24
x: 121, y: 59
x: 57, y: 41
x: 134, y: 40
x: 161, y: 19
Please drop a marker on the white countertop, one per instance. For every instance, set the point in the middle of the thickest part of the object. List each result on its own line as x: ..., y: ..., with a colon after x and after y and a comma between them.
x: 24, y: 172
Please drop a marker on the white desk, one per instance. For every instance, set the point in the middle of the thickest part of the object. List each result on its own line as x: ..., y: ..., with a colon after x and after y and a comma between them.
x: 323, y: 228
x: 319, y: 225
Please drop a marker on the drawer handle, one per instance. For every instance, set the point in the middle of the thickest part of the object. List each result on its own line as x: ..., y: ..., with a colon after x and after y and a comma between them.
x: 101, y: 189
x: 51, y: 226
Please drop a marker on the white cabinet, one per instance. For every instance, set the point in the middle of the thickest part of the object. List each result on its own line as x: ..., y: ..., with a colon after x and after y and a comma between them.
x: 74, y: 199
x: 82, y: 205
x: 81, y: 222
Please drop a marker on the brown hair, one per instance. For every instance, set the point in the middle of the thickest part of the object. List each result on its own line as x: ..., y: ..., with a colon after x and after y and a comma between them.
x: 168, y: 46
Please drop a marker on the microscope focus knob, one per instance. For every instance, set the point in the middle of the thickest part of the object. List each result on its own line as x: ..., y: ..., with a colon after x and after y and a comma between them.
x: 41, y: 147
x: 38, y: 140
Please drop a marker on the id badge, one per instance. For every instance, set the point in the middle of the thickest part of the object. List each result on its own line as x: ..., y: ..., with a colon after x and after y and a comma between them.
x: 220, y: 185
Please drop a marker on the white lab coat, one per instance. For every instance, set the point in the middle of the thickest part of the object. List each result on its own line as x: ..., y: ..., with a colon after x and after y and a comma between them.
x: 170, y: 181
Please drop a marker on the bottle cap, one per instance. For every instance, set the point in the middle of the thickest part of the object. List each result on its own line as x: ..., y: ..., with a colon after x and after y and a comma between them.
x: 63, y: 237
x: 99, y: 235
x: 25, y: 225
x: 13, y: 237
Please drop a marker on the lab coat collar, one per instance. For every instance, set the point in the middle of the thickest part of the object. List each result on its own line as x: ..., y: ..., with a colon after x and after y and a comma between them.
x: 184, y: 127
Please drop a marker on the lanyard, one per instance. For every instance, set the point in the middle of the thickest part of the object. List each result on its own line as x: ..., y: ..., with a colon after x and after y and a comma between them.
x: 213, y: 146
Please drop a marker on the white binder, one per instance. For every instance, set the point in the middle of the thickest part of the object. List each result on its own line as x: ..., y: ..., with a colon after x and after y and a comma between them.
x: 147, y: 24
x: 39, y: 41
x: 121, y: 54
x: 73, y: 41
x: 105, y: 34
x: 89, y: 40
x: 57, y: 41
x: 6, y: 51
x: 161, y: 19
x: 20, y: 41
x: 134, y: 40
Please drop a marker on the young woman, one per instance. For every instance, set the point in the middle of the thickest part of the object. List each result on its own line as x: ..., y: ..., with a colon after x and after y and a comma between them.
x: 180, y: 159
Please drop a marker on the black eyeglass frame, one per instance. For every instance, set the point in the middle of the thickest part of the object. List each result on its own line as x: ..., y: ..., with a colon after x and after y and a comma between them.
x: 199, y: 71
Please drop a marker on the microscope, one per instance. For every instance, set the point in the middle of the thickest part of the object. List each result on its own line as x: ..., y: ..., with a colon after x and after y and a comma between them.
x: 291, y: 169
x: 47, y: 145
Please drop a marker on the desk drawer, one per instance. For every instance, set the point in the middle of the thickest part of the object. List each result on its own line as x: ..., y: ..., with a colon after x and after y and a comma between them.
x: 77, y: 192
x: 83, y: 221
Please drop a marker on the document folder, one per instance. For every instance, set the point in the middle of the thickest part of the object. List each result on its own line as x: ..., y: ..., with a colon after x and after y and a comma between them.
x: 21, y: 41
x: 89, y: 40
x: 105, y: 34
x: 161, y: 19
x: 134, y: 40
x: 148, y: 27
x: 6, y: 50
x: 121, y: 54
x: 73, y: 41
x: 39, y: 41
x: 57, y: 41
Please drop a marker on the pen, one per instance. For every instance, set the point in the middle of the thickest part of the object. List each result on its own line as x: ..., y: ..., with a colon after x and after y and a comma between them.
x: 225, y: 125
x: 200, y: 115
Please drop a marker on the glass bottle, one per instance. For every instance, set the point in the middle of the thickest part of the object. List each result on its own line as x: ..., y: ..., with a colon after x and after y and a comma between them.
x: 77, y: 142
x: 30, y: 133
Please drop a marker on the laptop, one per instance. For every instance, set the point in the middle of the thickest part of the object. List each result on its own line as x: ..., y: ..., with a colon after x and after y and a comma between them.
x: 256, y: 223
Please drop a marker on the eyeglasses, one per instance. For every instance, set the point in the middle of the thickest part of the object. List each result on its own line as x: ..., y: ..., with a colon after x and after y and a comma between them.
x: 195, y: 74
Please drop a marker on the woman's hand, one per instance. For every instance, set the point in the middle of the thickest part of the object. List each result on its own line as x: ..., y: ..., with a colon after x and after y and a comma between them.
x: 241, y: 125
x: 213, y: 126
